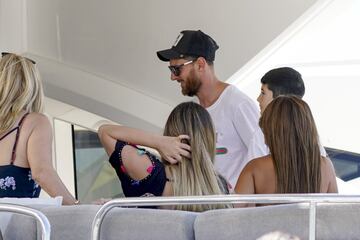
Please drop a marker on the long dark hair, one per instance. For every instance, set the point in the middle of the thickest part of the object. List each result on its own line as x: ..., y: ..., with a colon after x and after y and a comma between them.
x: 290, y: 132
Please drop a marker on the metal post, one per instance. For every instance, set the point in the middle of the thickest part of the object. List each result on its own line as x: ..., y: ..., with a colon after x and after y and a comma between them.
x: 312, y: 220
x: 39, y: 216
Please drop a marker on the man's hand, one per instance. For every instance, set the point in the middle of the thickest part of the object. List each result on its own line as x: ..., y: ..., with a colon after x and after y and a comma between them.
x: 173, y: 149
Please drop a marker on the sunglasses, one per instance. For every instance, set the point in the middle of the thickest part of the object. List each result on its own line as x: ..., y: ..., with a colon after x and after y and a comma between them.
x: 176, y: 69
x: 6, y: 53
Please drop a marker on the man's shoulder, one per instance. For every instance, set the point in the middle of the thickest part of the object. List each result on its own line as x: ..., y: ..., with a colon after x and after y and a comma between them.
x: 234, y: 93
x: 232, y: 100
x: 236, y: 100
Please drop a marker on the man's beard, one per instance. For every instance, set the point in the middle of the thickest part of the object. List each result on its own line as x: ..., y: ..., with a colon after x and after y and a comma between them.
x: 192, y: 85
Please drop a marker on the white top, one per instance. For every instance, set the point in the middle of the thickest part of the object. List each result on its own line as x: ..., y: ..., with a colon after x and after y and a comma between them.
x: 236, y: 120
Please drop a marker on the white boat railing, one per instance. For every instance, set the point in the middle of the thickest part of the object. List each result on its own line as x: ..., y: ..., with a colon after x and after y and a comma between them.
x: 39, y: 216
x: 311, y: 199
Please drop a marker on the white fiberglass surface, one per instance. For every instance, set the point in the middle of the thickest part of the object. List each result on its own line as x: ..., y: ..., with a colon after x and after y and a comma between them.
x: 323, y: 45
x: 326, y: 51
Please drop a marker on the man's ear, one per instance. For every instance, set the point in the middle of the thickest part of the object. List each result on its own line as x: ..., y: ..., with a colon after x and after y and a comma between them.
x: 201, y: 62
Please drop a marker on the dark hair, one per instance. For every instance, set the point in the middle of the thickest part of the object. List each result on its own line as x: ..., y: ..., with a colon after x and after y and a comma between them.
x: 284, y: 81
x: 290, y: 132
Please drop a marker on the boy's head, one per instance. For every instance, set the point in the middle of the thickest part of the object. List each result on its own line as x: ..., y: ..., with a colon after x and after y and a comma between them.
x: 280, y: 81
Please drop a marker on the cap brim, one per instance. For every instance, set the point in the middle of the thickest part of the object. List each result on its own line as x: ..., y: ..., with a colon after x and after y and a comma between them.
x: 167, y: 55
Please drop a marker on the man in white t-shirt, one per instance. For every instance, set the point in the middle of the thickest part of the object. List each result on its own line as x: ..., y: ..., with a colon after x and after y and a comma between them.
x: 234, y: 114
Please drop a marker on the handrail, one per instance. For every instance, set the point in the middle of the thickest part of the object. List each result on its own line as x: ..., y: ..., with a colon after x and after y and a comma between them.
x: 312, y: 199
x: 39, y: 216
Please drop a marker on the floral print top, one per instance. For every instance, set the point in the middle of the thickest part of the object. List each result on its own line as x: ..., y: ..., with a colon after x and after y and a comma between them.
x: 17, y: 181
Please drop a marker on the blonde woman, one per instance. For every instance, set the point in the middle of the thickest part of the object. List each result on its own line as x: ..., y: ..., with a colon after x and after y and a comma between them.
x: 142, y: 174
x: 25, y: 134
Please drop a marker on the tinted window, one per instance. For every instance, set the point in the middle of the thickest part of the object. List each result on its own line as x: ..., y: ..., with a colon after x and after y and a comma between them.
x: 346, y: 164
x: 95, y: 178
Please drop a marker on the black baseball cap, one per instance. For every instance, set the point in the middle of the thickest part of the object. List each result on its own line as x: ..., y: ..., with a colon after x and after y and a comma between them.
x: 190, y: 43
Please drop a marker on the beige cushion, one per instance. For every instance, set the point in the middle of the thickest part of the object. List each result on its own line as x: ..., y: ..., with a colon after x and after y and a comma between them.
x: 75, y: 222
x: 139, y: 224
x: 254, y: 223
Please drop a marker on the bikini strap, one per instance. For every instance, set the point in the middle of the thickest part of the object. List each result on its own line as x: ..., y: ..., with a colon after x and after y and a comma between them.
x: 8, y: 133
x: 13, y: 154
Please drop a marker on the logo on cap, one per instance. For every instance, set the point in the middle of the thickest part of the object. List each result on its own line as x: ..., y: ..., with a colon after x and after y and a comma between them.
x: 178, y: 39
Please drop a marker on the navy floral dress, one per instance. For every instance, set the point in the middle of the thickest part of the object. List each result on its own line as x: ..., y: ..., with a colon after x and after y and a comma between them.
x: 17, y: 181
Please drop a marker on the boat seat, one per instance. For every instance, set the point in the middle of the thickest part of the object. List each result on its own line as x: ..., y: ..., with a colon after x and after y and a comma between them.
x: 254, y: 223
x: 287, y: 221
x: 75, y: 223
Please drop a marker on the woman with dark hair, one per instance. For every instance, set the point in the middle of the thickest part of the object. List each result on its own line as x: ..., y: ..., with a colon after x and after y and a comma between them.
x: 143, y: 174
x: 295, y: 164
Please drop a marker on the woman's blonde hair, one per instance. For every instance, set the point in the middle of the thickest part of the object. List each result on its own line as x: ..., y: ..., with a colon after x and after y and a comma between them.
x: 290, y: 132
x: 20, y: 89
x: 195, y: 176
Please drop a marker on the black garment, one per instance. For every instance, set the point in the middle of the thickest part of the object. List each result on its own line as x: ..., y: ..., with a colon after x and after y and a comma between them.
x: 16, y: 181
x: 153, y: 184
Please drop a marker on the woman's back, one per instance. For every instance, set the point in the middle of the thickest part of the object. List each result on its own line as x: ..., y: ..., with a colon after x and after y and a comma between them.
x: 15, y: 174
x: 295, y: 164
x: 258, y: 177
x: 29, y: 123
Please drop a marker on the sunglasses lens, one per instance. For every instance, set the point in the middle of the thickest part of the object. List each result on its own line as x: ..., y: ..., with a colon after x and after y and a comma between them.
x: 175, y: 70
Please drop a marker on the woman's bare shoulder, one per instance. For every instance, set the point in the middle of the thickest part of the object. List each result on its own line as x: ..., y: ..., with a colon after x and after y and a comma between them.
x: 326, y: 162
x: 328, y: 176
x: 327, y: 166
x: 260, y: 161
x: 37, y: 118
x: 37, y: 121
x: 261, y: 167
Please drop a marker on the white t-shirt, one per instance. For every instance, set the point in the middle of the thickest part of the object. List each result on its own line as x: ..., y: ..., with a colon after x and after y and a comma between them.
x: 236, y: 120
